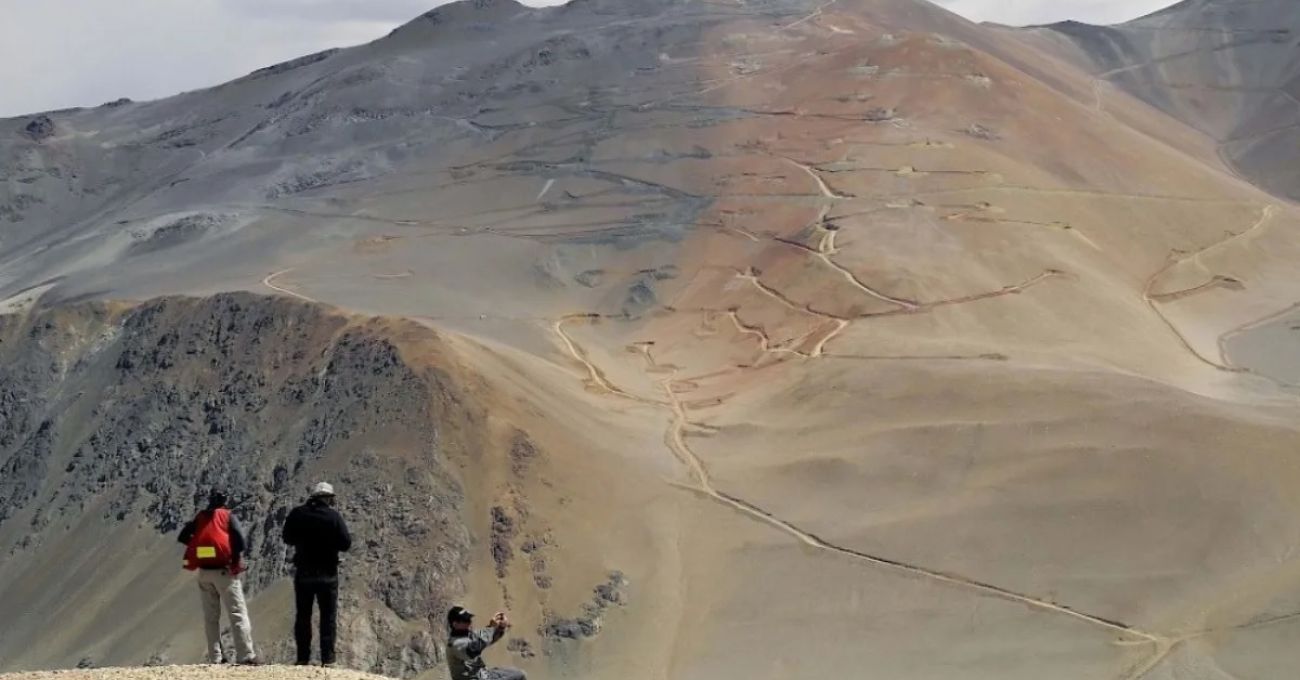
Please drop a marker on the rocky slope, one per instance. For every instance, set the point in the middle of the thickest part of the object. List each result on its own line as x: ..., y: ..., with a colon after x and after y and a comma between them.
x: 767, y: 317
x: 117, y: 419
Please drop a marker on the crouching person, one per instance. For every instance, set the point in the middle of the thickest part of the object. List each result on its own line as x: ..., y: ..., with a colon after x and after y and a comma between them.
x: 465, y: 647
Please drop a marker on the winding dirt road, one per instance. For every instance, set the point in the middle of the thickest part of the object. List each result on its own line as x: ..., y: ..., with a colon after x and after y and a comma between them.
x: 1152, y: 300
x: 702, y: 483
x: 269, y: 282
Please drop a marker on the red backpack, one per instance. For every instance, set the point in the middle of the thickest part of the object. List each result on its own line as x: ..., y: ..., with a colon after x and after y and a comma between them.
x: 210, y: 546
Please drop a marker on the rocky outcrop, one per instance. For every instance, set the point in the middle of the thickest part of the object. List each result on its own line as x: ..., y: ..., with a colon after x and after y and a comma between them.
x: 39, y: 128
x: 587, y: 624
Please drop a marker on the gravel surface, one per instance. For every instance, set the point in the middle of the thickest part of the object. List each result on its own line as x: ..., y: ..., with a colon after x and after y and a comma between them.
x: 198, y: 673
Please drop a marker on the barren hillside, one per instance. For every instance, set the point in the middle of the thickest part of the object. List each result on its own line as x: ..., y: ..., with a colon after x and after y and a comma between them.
x: 1226, y: 67
x: 848, y: 323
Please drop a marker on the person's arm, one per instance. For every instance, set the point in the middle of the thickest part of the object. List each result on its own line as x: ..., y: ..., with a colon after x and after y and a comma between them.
x: 344, y: 538
x: 238, y: 540
x: 497, y: 630
x: 481, y: 640
x: 187, y: 533
x: 473, y: 645
x: 290, y: 532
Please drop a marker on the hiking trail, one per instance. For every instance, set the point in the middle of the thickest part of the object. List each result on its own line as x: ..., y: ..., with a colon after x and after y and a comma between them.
x: 269, y: 282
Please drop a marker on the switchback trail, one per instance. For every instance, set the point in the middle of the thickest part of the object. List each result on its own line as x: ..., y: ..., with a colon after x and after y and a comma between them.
x: 702, y: 483
x: 822, y: 186
x: 1247, y: 327
x: 1153, y: 299
x: 269, y: 282
x: 1216, y: 281
x: 676, y: 440
x: 595, y: 377
x: 827, y: 248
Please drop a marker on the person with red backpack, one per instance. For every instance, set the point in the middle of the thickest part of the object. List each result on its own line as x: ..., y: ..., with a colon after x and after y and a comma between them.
x: 214, y: 547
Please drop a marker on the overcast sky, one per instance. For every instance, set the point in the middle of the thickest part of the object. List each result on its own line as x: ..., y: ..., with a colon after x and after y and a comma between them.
x: 63, y: 53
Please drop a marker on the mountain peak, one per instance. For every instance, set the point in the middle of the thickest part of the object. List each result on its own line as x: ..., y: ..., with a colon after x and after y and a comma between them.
x: 463, y: 10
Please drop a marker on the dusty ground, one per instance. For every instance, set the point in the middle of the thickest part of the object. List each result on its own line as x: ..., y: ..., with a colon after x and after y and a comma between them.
x: 197, y: 673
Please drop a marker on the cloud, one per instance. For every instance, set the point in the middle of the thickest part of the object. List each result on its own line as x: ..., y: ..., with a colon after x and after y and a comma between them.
x: 324, y: 11
x: 1025, y: 12
x: 63, y: 53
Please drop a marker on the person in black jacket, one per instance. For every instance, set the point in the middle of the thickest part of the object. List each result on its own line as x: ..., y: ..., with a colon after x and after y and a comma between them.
x: 318, y: 534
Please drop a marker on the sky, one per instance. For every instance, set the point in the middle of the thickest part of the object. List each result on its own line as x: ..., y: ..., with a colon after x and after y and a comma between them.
x: 64, y: 53
x: 1025, y: 12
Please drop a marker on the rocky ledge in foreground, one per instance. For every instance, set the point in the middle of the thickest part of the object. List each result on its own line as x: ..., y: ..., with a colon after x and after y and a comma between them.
x: 198, y: 673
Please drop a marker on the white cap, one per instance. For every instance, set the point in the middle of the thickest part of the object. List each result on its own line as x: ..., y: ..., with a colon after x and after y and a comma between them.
x: 322, y: 489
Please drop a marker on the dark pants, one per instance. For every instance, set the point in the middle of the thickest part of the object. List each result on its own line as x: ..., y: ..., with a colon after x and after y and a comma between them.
x: 325, y: 593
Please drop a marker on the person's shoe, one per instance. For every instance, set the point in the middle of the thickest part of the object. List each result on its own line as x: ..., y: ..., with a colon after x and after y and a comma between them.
x: 328, y: 664
x: 302, y: 663
x: 251, y: 662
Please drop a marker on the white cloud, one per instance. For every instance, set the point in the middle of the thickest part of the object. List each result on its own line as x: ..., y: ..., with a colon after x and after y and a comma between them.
x: 63, y: 53
x: 324, y: 11
x: 1025, y: 12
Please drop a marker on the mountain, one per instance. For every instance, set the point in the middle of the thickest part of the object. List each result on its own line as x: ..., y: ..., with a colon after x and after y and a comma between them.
x: 716, y: 339
x: 1229, y: 69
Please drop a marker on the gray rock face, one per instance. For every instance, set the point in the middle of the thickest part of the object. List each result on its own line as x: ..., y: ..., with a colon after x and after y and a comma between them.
x: 133, y: 414
x: 588, y: 622
x: 503, y: 533
x: 187, y: 229
x: 39, y: 128
x: 1228, y: 68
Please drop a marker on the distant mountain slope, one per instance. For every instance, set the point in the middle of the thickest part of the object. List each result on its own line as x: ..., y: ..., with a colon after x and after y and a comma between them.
x: 1229, y: 68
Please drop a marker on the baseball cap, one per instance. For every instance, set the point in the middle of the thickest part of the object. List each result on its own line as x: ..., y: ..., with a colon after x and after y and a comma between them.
x: 459, y: 613
x: 322, y: 489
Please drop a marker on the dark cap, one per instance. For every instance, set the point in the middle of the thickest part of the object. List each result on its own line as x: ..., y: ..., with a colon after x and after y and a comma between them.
x: 217, y: 498
x: 459, y: 614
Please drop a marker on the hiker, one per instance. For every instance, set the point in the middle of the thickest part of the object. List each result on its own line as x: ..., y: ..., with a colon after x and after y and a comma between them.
x: 318, y: 534
x: 465, y: 647
x: 214, y: 547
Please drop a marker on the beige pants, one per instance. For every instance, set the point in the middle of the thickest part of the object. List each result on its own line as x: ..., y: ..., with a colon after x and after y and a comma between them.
x: 216, y: 586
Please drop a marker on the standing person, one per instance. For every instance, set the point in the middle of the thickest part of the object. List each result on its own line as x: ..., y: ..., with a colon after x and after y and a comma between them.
x: 214, y: 547
x: 465, y: 647
x: 318, y: 534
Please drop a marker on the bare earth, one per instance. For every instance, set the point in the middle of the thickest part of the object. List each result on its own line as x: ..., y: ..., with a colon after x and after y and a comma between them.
x: 196, y: 673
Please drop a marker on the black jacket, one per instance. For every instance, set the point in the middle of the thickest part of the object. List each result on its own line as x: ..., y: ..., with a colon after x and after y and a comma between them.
x: 318, y: 534
x: 238, y: 542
